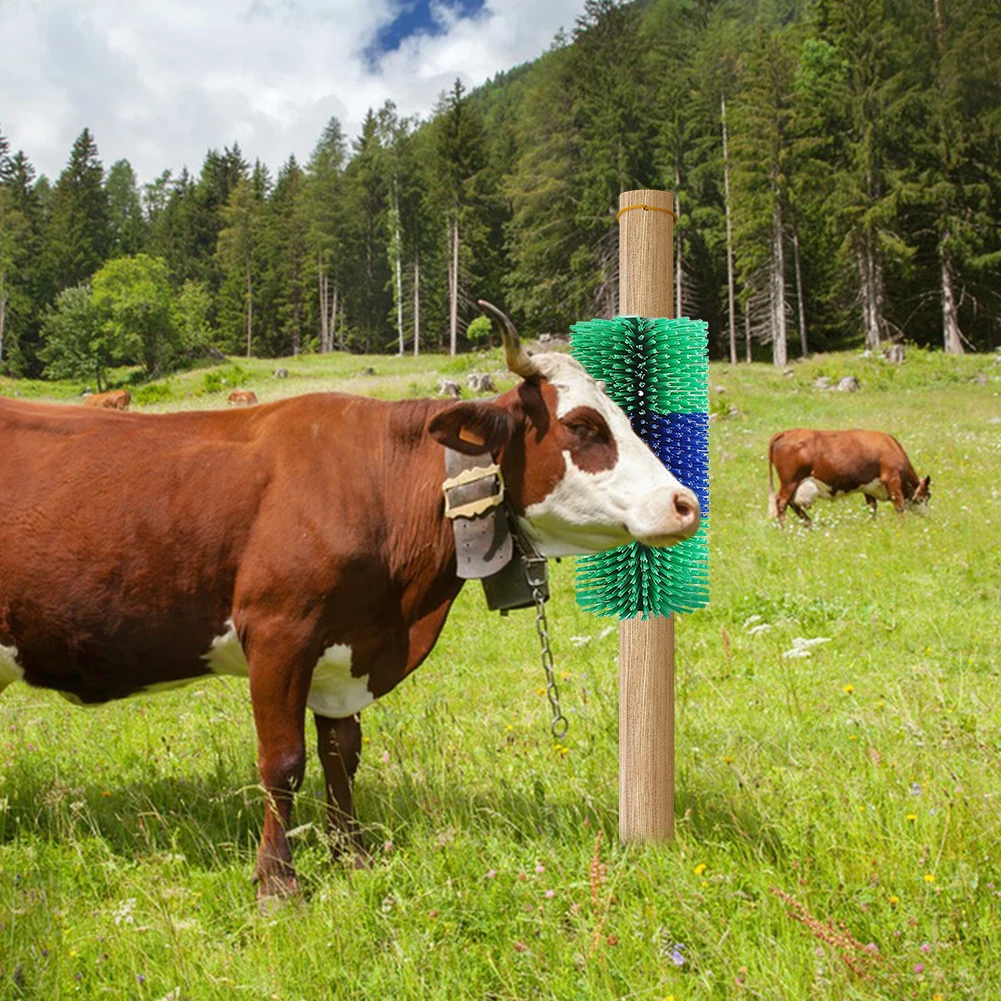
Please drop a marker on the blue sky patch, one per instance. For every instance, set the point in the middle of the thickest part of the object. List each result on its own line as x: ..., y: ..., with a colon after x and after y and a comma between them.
x: 416, y: 17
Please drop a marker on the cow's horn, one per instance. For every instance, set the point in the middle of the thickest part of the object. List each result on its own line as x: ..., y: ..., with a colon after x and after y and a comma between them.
x: 519, y: 360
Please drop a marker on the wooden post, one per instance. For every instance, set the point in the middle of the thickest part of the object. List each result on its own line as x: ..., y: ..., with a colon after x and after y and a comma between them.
x: 646, y: 646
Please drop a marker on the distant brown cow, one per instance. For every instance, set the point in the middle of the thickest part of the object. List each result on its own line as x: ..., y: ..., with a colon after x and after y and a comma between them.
x: 242, y: 398
x: 117, y: 399
x: 827, y: 464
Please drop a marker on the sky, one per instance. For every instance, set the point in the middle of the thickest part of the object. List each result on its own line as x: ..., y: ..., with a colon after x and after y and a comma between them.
x: 159, y: 82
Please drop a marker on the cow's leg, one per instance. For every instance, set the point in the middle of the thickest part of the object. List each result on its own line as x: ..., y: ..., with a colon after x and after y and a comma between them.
x: 872, y: 503
x: 339, y: 747
x: 896, y: 491
x: 802, y: 513
x: 784, y: 499
x: 279, y: 685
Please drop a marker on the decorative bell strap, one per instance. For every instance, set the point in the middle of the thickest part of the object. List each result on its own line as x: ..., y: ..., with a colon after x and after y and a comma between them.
x: 474, y: 499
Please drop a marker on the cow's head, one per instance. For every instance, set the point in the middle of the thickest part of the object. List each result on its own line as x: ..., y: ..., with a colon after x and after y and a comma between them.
x: 577, y: 475
x: 919, y: 499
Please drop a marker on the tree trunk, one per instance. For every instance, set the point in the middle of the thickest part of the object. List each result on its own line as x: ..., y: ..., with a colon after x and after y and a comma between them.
x: 747, y: 331
x: 336, y: 329
x: 801, y: 307
x: 951, y: 334
x: 322, y: 289
x: 417, y: 304
x: 453, y: 292
x: 778, y: 289
x: 679, y: 273
x: 729, y: 243
x: 399, y: 300
x: 250, y: 313
x: 3, y: 309
x: 871, y: 275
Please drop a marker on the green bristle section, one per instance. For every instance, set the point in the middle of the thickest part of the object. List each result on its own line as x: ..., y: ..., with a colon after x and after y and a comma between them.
x: 635, y: 580
x: 649, y: 367
x: 646, y: 364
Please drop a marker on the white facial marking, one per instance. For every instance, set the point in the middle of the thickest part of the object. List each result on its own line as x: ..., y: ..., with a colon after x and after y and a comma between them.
x: 335, y: 692
x: 226, y: 655
x: 592, y: 512
x: 10, y: 670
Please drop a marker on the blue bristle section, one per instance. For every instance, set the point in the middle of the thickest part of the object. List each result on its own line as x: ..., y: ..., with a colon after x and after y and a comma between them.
x: 681, y: 442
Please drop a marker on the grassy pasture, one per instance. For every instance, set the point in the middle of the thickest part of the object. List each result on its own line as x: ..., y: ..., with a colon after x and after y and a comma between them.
x: 862, y: 781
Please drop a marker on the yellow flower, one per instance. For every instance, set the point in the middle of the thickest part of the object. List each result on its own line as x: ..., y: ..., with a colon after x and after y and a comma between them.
x: 894, y: 901
x: 848, y: 689
x: 728, y: 759
x: 74, y: 951
x: 540, y: 691
x: 929, y: 877
x: 509, y: 728
x: 880, y: 704
x: 562, y: 750
x: 705, y: 885
x: 564, y: 676
x: 700, y: 868
x: 911, y: 817
x: 938, y: 997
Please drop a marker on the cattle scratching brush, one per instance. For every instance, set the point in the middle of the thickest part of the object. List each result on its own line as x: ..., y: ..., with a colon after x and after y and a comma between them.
x: 657, y: 371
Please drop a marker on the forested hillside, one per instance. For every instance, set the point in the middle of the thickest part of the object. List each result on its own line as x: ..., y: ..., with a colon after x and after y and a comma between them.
x: 836, y: 163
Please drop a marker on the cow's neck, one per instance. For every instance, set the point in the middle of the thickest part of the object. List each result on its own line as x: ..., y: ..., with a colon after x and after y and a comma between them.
x: 419, y: 541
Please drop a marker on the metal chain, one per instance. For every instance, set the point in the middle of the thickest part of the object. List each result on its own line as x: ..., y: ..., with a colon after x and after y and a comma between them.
x: 536, y: 578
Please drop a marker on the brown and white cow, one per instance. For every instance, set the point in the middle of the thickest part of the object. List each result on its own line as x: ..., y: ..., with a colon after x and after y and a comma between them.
x: 828, y: 464
x: 301, y: 543
x: 116, y: 399
x: 242, y: 398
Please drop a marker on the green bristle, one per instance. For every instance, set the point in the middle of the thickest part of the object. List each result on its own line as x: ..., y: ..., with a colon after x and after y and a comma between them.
x: 651, y: 364
x: 635, y: 580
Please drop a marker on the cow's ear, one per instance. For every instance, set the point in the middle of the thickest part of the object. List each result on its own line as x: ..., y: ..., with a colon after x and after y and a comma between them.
x: 473, y: 428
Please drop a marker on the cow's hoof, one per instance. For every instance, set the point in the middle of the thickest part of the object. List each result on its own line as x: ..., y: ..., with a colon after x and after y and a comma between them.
x: 274, y: 889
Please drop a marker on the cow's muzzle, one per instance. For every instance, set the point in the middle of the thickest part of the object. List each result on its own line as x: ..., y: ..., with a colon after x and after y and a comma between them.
x: 661, y: 524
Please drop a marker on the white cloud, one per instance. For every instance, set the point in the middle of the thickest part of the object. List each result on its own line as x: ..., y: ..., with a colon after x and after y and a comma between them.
x: 159, y: 83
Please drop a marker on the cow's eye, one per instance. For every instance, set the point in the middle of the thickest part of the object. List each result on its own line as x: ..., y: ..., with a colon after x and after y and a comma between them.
x: 587, y: 430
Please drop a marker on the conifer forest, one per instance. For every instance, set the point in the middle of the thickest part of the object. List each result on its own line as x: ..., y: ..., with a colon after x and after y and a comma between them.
x: 836, y: 166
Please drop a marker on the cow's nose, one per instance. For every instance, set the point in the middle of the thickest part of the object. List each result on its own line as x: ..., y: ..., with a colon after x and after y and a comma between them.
x: 686, y: 511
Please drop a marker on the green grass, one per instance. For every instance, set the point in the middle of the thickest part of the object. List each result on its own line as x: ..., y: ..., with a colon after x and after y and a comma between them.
x: 863, y: 780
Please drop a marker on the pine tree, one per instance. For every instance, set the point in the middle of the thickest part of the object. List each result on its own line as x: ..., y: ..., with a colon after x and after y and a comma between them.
x: 238, y: 256
x: 325, y: 196
x: 78, y: 237
x: 128, y: 227
x: 289, y: 266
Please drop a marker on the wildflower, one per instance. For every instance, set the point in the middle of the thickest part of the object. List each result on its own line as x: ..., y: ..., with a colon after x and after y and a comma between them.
x: 676, y: 955
x: 385, y: 757
x: 562, y: 750
x: 919, y: 967
x: 873, y: 948
x: 938, y: 997
x: 106, y: 794
x: 929, y: 877
x: 728, y: 759
x: 848, y: 689
x: 705, y: 885
x: 74, y: 951
x: 550, y: 894
x: 540, y: 690
x: 520, y: 947
x: 612, y: 940
x: 926, y: 947
x: 564, y: 676
x: 700, y: 868
x: 915, y: 788
x: 911, y: 817
x: 880, y: 704
x: 491, y: 874
x: 894, y: 901
x: 433, y: 913
x: 540, y: 869
x: 509, y: 728
x: 387, y: 846
x: 140, y: 979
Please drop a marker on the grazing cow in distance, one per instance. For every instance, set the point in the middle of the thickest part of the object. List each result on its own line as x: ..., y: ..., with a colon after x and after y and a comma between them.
x: 302, y: 543
x: 116, y: 399
x: 828, y: 464
x: 242, y: 398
